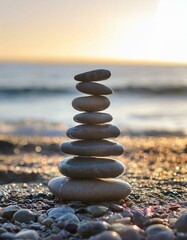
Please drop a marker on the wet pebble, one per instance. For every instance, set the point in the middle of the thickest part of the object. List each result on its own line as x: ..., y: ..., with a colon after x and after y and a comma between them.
x: 42, y: 217
x: 2, y: 220
x: 87, y: 229
x: 97, y: 210
x: 48, y: 222
x: 59, y: 211
x: 56, y: 229
x: 126, y: 220
x: 181, y: 224
x: 181, y: 236
x: 152, y: 221
x: 35, y: 226
x: 68, y: 218
x: 2, y: 230
x: 116, y: 208
x: 8, y: 236
x: 24, y: 215
x: 9, y: 211
x: 71, y: 227
x: 138, y: 219
x: 106, y: 235
x: 126, y: 213
x: 159, y: 231
x: 10, y: 227
x: 127, y: 232
x: 28, y: 234
x: 113, y: 217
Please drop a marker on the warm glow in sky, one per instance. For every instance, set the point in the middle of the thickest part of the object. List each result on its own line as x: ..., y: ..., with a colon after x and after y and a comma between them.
x: 97, y: 29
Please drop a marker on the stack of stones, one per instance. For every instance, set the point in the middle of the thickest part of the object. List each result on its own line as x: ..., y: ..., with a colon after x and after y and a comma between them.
x: 90, y: 176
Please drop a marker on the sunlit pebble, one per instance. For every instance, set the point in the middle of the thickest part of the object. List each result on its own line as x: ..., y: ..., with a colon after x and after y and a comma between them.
x: 38, y: 149
x: 148, y: 211
x: 16, y: 151
x: 177, y: 168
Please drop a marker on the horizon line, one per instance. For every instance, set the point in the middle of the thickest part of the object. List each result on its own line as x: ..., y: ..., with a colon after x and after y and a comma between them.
x: 91, y: 61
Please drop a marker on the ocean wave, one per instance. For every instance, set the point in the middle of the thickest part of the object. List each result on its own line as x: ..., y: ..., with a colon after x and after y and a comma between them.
x: 35, y: 91
x: 162, y: 90
x: 142, y: 90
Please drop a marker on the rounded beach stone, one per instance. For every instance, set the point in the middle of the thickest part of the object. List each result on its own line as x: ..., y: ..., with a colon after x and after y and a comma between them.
x: 93, y: 118
x: 127, y: 232
x: 87, y: 229
x: 24, y: 215
x: 92, y: 148
x: 97, y: 210
x: 106, y: 235
x: 89, y: 190
x: 159, y: 231
x: 91, y: 103
x: 181, y: 224
x: 28, y: 234
x: 93, y: 88
x: 93, y: 131
x: 88, y: 167
x: 9, y: 211
x: 95, y: 75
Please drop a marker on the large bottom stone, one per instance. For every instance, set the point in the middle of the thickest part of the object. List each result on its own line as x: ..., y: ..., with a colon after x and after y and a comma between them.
x: 89, y: 190
x: 90, y: 167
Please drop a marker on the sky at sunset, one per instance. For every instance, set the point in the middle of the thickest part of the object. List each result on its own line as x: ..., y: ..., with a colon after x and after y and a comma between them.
x: 73, y: 30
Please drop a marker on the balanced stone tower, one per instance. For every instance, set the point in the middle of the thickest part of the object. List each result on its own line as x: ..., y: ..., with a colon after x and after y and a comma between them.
x: 89, y: 176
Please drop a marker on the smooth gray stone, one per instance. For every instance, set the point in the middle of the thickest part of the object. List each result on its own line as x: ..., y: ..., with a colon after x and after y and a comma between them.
x: 92, y: 148
x: 127, y: 232
x: 87, y: 229
x: 24, y: 215
x: 93, y: 118
x: 97, y: 210
x: 93, y: 131
x: 181, y: 223
x: 87, y: 167
x: 59, y: 211
x: 159, y: 231
x: 28, y: 234
x: 91, y: 103
x: 95, y: 75
x: 106, y: 235
x: 89, y: 190
x: 9, y: 211
x: 93, y: 88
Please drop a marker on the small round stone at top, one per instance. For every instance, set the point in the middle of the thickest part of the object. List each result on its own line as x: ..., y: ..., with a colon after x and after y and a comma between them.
x: 95, y: 75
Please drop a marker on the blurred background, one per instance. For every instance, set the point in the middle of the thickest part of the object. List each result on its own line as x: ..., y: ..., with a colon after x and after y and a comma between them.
x: 43, y: 44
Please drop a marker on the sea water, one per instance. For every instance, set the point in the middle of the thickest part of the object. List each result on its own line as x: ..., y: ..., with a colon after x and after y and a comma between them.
x: 35, y: 99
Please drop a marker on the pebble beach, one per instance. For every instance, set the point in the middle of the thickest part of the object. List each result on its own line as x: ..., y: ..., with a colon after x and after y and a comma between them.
x: 155, y: 209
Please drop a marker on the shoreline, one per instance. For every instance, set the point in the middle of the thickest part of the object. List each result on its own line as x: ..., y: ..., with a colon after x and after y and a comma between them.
x: 155, y: 168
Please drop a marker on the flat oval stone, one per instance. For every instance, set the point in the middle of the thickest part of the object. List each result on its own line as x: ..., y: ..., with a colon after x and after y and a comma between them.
x: 91, y: 103
x: 95, y: 75
x: 93, y: 88
x: 90, y: 167
x: 89, y: 190
x: 93, y: 118
x: 93, y: 131
x: 92, y: 148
